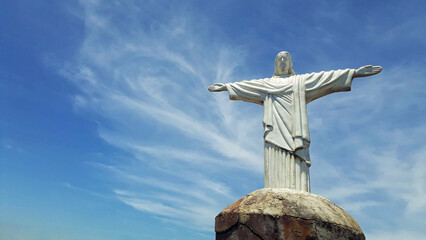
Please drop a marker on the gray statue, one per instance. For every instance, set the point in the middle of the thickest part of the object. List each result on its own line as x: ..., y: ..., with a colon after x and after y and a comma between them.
x: 284, y: 97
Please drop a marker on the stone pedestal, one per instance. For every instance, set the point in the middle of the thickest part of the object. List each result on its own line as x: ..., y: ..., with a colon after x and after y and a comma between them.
x: 285, y: 214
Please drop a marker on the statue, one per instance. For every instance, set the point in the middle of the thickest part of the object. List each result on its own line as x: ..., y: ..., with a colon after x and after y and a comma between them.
x: 284, y: 97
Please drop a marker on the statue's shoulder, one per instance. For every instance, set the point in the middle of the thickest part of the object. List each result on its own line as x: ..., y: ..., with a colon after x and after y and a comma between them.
x: 257, y: 80
x: 312, y: 74
x: 279, y: 80
x: 283, y: 82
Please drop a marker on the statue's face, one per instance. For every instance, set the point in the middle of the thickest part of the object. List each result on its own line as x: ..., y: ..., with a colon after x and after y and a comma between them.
x: 283, y: 63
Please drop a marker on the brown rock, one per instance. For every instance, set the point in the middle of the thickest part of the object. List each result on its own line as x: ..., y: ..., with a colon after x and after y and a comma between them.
x: 285, y: 214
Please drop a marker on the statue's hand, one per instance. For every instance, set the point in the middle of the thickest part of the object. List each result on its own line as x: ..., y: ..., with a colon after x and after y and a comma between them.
x: 217, y: 87
x: 367, y: 71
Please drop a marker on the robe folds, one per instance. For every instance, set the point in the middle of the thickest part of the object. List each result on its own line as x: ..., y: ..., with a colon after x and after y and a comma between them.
x: 284, y: 99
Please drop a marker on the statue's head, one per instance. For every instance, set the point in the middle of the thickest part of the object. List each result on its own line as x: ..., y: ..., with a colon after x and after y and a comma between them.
x: 283, y: 64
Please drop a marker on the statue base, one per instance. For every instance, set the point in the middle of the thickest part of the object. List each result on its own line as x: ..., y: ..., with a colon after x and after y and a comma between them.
x: 285, y: 214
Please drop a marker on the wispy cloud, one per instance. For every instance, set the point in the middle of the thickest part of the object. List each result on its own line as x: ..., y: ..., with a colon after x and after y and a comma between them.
x: 145, y: 79
x: 91, y: 192
x: 193, y: 203
x: 408, y: 31
x: 395, y: 235
x: 148, y: 90
x: 377, y: 164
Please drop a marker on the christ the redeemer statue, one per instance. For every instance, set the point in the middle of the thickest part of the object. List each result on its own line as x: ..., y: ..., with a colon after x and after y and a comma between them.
x: 284, y: 97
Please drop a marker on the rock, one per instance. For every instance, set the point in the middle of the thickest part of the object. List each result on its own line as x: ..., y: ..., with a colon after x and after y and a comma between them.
x: 285, y: 214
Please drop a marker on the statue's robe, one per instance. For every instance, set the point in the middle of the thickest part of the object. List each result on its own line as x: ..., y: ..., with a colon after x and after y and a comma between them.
x: 285, y: 120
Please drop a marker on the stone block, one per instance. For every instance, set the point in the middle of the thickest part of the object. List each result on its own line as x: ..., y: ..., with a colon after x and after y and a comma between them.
x: 285, y: 214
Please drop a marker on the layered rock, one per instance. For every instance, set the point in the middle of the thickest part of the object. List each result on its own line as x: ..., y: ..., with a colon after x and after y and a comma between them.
x: 285, y: 214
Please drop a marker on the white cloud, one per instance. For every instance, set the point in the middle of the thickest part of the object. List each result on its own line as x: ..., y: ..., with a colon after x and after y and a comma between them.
x: 394, y: 235
x: 148, y: 86
x: 372, y: 154
x: 408, y: 31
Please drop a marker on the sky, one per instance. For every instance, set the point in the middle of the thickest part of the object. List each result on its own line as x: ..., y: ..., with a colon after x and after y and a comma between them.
x: 107, y: 130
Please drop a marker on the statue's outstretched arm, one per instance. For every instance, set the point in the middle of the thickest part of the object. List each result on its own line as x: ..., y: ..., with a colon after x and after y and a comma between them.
x: 217, y: 87
x: 367, y: 70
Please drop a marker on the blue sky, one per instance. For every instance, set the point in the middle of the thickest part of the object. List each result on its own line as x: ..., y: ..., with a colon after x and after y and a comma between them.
x: 108, y: 130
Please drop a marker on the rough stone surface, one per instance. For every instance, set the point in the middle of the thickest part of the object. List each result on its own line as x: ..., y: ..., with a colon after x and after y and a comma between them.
x: 285, y: 214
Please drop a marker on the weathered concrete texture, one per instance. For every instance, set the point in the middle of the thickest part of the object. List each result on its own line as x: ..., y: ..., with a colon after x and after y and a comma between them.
x: 285, y: 214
